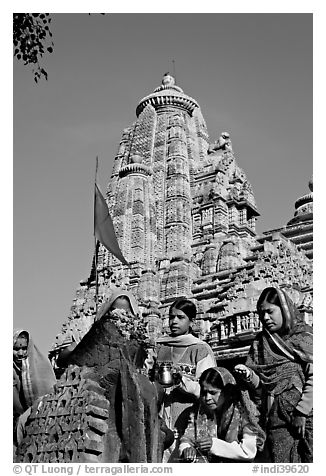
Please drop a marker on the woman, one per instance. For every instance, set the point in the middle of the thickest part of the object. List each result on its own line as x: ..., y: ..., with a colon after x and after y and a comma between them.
x: 279, y: 366
x: 188, y: 357
x: 33, y: 375
x: 119, y: 299
x: 224, y: 425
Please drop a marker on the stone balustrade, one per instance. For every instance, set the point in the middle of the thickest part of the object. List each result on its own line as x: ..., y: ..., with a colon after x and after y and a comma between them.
x: 237, y: 327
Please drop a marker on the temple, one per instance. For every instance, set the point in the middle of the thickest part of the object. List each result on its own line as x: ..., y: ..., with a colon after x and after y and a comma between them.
x: 185, y: 217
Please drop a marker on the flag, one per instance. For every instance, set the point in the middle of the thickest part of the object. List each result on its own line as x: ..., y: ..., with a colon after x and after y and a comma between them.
x: 103, y: 226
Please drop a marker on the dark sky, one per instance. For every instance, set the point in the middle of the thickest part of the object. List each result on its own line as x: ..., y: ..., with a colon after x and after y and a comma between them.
x: 252, y: 75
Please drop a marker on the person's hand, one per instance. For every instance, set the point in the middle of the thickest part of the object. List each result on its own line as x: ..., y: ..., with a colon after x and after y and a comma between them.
x: 205, y: 443
x: 189, y: 454
x: 242, y: 371
x: 299, y: 425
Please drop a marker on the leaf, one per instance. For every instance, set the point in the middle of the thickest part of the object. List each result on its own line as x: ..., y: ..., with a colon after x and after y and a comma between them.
x: 50, y: 49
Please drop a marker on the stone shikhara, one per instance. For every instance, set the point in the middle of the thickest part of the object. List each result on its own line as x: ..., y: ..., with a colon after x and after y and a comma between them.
x: 184, y: 214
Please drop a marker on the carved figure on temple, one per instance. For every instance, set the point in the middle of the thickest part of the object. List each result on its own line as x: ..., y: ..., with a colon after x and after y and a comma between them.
x: 223, y: 425
x: 119, y: 279
x: 220, y: 179
x: 279, y: 367
x: 210, y: 259
x: 230, y: 254
x: 245, y: 322
x: 198, y: 258
x: 235, y: 192
x: 222, y: 143
x: 187, y: 357
x: 246, y: 189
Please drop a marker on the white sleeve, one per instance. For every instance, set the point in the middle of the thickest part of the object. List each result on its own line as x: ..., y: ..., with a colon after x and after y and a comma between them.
x: 205, y: 363
x: 183, y: 445
x: 190, y: 386
x: 306, y: 401
x: 244, y: 451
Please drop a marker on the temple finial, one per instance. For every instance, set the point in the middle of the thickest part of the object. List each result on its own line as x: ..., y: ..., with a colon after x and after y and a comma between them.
x: 168, y: 80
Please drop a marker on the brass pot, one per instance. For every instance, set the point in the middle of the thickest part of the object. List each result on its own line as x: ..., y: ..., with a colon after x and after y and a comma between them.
x: 165, y: 377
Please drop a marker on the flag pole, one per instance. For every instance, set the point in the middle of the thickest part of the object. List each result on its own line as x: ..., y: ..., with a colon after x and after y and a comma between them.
x: 95, y: 244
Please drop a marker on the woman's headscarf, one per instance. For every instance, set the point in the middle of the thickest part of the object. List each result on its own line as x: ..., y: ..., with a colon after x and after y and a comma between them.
x: 115, y: 295
x: 37, y: 375
x: 225, y: 375
x: 278, y: 358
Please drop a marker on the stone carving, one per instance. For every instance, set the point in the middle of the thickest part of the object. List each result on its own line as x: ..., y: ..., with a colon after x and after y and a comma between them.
x: 102, y: 409
x: 207, y: 215
x: 210, y: 260
x: 230, y: 255
x: 307, y: 301
x: 222, y: 143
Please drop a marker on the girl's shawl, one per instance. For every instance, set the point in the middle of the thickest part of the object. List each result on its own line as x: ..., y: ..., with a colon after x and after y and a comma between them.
x: 37, y: 375
x: 115, y: 295
x: 278, y: 358
x: 180, y: 341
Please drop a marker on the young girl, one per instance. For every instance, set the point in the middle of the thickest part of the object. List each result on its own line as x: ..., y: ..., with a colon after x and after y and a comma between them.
x: 188, y: 357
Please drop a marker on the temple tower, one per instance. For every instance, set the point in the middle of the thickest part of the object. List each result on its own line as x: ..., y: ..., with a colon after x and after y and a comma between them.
x: 150, y: 191
x: 185, y: 216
